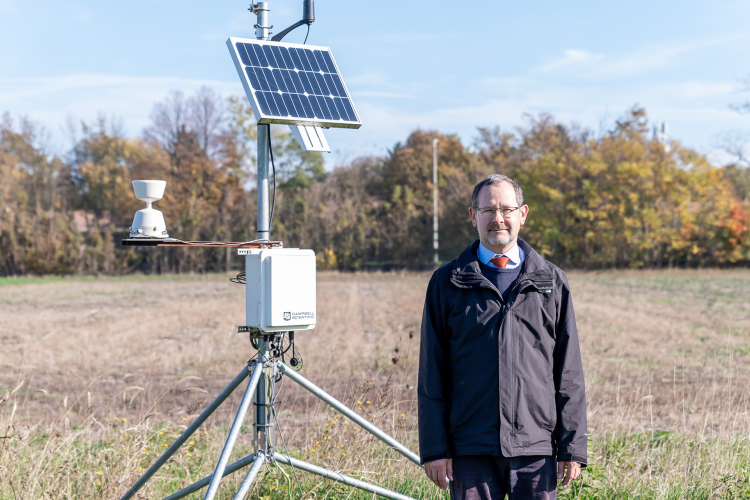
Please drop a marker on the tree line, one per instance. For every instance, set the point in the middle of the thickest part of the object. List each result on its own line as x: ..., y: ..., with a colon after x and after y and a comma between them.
x: 609, y: 200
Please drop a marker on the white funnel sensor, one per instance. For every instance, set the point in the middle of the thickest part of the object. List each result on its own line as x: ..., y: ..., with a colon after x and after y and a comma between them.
x: 149, y: 222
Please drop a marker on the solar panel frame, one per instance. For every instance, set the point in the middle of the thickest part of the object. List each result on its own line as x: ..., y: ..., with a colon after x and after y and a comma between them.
x: 274, y: 87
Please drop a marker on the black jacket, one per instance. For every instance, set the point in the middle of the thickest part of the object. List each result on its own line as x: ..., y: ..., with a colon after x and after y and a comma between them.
x: 500, y: 378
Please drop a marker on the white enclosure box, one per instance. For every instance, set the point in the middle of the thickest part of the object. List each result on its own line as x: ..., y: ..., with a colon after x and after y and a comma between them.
x: 280, y: 289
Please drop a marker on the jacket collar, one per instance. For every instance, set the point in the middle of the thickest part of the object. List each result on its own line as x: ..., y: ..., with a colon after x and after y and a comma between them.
x: 466, y: 273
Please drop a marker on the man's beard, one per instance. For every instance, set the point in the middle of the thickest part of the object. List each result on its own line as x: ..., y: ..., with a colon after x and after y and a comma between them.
x: 498, y: 239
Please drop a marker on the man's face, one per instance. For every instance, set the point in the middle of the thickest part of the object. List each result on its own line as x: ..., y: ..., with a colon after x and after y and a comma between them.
x: 497, y: 232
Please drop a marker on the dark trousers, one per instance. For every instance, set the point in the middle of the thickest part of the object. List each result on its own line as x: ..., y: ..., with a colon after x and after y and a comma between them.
x: 491, y: 478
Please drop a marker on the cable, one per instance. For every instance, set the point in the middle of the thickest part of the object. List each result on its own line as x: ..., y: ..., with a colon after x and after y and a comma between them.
x: 308, y: 34
x: 281, y: 434
x: 273, y: 166
x: 240, y: 279
x: 200, y: 243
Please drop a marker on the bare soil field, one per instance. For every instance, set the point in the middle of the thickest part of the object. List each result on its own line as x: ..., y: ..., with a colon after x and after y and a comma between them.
x: 666, y: 356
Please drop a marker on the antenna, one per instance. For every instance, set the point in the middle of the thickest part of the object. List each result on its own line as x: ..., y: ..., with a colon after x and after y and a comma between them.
x: 300, y: 86
x: 308, y: 17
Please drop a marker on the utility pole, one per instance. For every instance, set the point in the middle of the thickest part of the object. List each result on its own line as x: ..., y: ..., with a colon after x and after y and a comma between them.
x: 435, y: 243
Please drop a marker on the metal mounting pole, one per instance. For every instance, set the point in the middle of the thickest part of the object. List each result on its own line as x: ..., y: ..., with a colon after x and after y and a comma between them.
x: 263, y: 435
x: 435, y: 200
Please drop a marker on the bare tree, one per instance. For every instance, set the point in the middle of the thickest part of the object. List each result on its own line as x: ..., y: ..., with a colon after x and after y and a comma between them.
x: 206, y: 117
x: 737, y: 145
x: 168, y: 120
x: 743, y: 107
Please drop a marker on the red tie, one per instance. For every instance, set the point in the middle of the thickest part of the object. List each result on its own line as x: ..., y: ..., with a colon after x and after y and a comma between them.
x: 501, y: 261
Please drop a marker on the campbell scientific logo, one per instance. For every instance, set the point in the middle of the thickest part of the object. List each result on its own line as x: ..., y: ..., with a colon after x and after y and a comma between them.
x: 289, y: 316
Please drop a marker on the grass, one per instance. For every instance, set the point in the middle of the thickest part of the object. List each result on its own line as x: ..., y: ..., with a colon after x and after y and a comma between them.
x: 98, y: 375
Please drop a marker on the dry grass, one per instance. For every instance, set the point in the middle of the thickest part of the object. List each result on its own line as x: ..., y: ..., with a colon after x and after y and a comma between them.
x: 106, y: 365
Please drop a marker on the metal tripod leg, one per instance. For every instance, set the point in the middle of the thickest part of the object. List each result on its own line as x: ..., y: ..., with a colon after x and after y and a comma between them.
x: 213, y: 487
x: 187, y: 433
x: 231, y: 468
x: 260, y: 459
x: 338, y: 405
x: 321, y: 471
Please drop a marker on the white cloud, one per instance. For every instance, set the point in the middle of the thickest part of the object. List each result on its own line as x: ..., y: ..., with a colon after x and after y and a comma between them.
x: 638, y: 62
x: 570, y: 57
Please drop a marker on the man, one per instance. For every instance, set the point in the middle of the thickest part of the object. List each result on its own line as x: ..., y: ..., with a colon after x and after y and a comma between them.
x: 502, y: 408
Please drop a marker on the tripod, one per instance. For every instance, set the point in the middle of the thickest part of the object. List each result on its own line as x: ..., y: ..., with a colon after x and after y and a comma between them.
x: 266, y: 367
x: 262, y: 372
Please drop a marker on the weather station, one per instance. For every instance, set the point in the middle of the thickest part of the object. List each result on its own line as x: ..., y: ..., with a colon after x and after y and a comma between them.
x: 300, y: 86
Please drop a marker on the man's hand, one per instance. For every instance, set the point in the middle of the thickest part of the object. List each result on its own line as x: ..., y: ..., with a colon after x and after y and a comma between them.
x: 438, y: 470
x: 573, y: 471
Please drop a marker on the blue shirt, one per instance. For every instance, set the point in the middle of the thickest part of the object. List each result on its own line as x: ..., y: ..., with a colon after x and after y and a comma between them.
x: 515, y: 255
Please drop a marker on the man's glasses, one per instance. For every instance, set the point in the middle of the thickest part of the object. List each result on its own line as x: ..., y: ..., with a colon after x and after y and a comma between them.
x: 491, y: 211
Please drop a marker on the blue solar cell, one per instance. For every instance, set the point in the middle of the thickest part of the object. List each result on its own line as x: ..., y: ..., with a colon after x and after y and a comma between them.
x: 251, y: 54
x: 331, y: 86
x: 287, y: 58
x: 277, y: 55
x: 303, y: 57
x: 341, y: 109
x: 243, y: 54
x: 295, y: 59
x: 306, y: 106
x: 290, y: 105
x: 280, y: 104
x: 298, y: 104
x: 305, y: 82
x: 349, y: 109
x: 261, y: 78
x: 314, y: 84
x: 332, y: 108
x: 313, y: 62
x: 297, y: 82
x: 322, y: 84
x: 271, y: 103
x: 315, y: 106
x: 329, y: 62
x: 318, y: 54
x: 259, y: 54
x: 324, y: 108
x: 252, y: 78
x: 262, y: 103
x: 288, y: 80
x: 269, y: 56
x: 270, y: 79
x: 280, y: 80
x: 339, y: 85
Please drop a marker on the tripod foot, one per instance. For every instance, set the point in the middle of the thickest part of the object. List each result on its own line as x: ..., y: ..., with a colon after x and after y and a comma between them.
x: 248, y: 481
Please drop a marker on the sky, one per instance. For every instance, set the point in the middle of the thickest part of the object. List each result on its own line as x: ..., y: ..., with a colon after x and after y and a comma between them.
x: 432, y: 65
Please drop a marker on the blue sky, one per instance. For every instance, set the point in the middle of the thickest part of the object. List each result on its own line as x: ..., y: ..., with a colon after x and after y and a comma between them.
x: 450, y: 66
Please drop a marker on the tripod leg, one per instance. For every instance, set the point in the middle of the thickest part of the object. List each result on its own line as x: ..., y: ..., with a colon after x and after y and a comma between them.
x: 248, y: 481
x: 187, y: 433
x: 234, y: 431
x: 338, y: 405
x: 341, y: 478
x: 239, y: 464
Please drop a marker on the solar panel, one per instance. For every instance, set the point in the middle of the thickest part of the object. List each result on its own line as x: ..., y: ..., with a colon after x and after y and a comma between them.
x: 293, y: 84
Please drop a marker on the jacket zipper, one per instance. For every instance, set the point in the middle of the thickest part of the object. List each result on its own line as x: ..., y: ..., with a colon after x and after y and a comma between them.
x: 506, y: 306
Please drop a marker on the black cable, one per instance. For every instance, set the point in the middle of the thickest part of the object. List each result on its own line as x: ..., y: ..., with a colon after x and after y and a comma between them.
x: 308, y: 34
x: 240, y: 279
x: 273, y: 166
